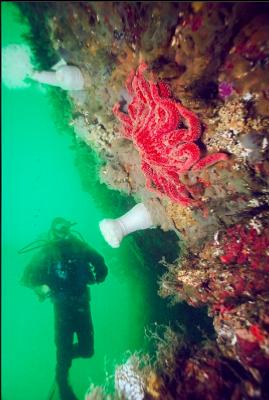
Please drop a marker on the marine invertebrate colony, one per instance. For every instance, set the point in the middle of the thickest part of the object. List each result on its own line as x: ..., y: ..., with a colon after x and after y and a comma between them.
x: 155, y: 124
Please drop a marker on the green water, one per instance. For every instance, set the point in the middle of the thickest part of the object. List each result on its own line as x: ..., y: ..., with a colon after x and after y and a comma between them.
x: 41, y: 181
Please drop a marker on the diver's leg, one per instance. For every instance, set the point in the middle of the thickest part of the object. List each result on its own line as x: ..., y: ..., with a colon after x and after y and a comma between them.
x: 63, y: 341
x: 85, y: 332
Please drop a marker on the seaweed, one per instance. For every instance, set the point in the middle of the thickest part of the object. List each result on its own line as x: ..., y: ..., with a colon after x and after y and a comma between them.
x: 36, y: 14
x: 88, y: 164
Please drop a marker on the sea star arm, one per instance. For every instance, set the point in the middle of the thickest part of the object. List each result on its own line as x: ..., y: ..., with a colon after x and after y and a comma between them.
x: 151, y: 177
x: 193, y: 131
x: 166, y: 184
x: 208, y: 160
x: 164, y: 90
x: 167, y: 116
x: 184, y: 156
x: 178, y: 193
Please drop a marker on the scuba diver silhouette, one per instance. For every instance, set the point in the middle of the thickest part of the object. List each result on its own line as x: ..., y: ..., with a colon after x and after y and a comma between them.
x: 61, y: 270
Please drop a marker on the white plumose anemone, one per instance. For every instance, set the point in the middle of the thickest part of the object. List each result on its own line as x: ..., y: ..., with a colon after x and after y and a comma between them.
x: 16, y: 65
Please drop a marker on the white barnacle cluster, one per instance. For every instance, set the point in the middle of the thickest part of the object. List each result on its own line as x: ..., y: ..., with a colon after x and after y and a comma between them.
x: 264, y: 143
x: 176, y: 39
x: 226, y: 333
x: 236, y: 167
x: 95, y: 135
x: 81, y: 129
x: 128, y: 381
x: 216, y: 238
x: 229, y: 125
x: 192, y: 279
x: 217, y: 251
x: 256, y: 224
x: 247, y: 96
x: 245, y: 153
x: 253, y: 203
x: 227, y: 140
x: 235, y: 146
x: 101, y: 137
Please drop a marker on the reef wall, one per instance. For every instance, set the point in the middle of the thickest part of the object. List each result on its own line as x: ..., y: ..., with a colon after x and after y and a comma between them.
x: 176, y: 109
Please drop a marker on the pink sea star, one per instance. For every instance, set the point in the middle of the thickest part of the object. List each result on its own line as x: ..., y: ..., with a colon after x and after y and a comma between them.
x: 164, y: 133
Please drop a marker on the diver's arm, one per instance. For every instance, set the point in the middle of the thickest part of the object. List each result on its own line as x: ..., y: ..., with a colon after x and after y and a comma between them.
x: 98, y: 263
x: 35, y: 274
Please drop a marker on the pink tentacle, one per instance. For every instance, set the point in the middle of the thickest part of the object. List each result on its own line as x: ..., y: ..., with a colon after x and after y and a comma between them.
x: 154, y: 90
x: 150, y: 89
x: 148, y: 149
x: 171, y: 139
x: 151, y: 177
x: 167, y: 117
x: 175, y: 189
x: 141, y: 68
x: 135, y: 109
x: 138, y: 89
x: 161, y: 184
x: 144, y: 87
x: 164, y: 90
x: 178, y: 196
x: 184, y: 156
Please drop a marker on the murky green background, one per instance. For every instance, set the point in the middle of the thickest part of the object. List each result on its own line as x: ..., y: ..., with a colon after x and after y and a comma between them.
x: 40, y: 182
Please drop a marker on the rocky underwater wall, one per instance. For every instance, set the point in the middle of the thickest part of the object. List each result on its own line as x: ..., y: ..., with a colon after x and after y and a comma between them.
x: 175, y: 109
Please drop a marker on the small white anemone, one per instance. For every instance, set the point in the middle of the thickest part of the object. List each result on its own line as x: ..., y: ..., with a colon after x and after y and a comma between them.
x: 111, y: 232
x: 114, y: 230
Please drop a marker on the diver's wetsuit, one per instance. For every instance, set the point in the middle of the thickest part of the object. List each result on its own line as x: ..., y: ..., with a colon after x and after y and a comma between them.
x: 67, y: 266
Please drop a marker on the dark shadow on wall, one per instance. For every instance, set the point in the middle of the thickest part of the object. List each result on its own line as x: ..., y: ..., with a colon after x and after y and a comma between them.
x: 155, y: 244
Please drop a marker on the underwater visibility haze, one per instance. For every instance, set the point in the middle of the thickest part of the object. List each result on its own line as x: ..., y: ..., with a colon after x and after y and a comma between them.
x: 145, y: 125
x: 40, y: 182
